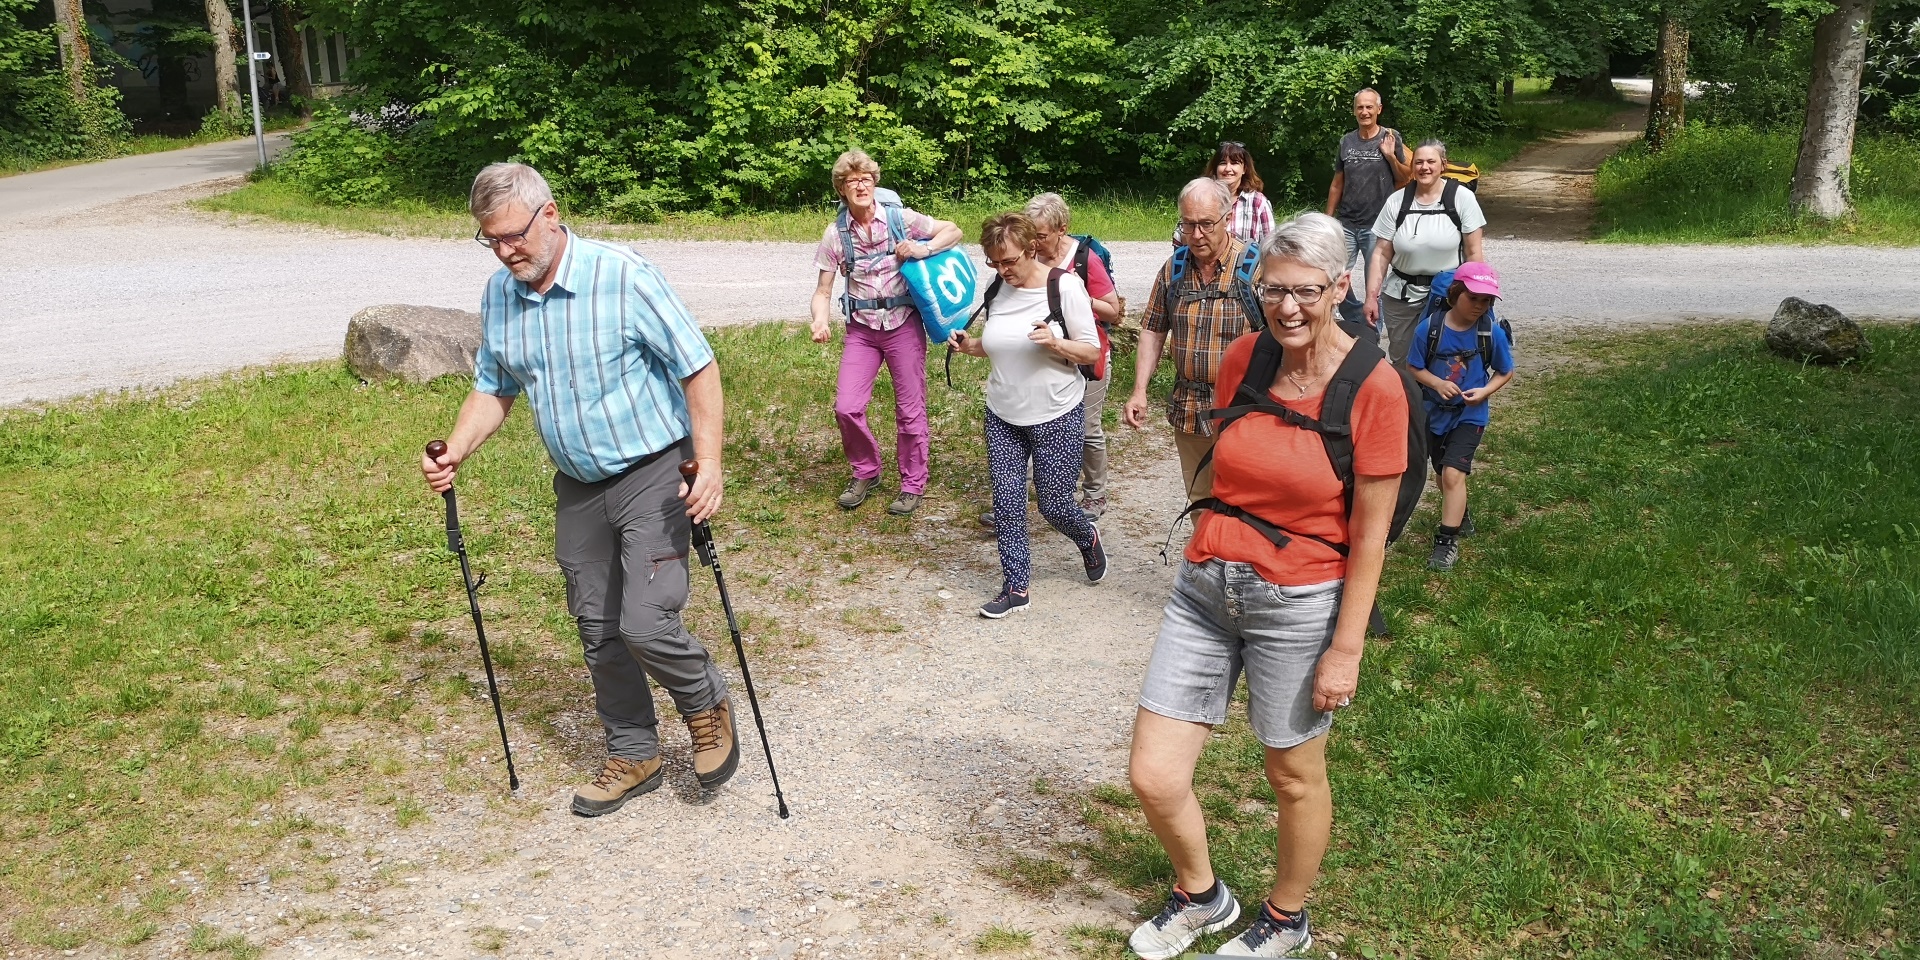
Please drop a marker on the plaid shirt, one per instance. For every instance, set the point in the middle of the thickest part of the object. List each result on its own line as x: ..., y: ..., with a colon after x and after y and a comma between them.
x: 600, y: 356
x: 1206, y: 319
x: 1250, y: 219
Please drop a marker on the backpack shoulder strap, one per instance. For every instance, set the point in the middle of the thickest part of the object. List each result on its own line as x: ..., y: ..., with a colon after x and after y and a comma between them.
x: 896, y: 222
x: 1434, y: 322
x: 845, y: 225
x: 1053, y: 296
x: 1176, y: 272
x: 1243, y: 284
x: 1406, y: 205
x: 1252, y: 395
x: 1336, y: 411
x: 993, y: 290
x: 1449, y: 200
x: 1484, y: 333
x: 1081, y: 253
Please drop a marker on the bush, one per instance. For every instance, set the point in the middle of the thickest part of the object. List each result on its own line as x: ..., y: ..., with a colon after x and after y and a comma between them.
x: 45, y: 122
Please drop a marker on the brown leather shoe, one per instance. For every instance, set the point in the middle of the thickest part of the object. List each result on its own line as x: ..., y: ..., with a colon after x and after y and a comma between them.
x: 716, y: 753
x: 619, y: 781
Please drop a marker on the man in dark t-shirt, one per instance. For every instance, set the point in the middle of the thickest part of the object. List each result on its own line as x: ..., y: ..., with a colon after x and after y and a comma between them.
x: 1372, y: 161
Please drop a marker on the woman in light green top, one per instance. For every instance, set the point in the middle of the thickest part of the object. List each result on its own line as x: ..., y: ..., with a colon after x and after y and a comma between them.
x: 1431, y: 225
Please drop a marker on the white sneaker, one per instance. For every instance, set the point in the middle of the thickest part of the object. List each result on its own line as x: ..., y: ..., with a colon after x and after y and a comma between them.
x: 1181, y: 922
x: 1269, y: 938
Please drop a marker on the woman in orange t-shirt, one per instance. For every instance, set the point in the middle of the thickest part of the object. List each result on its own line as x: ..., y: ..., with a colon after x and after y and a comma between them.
x: 1293, y: 617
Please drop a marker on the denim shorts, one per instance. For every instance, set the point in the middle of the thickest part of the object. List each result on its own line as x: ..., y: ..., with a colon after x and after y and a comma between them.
x: 1224, y: 616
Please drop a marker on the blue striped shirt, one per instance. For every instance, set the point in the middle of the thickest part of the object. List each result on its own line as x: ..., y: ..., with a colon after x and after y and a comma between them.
x: 600, y: 357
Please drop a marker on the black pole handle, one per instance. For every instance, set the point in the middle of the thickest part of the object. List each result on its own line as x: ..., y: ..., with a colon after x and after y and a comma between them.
x: 435, y: 450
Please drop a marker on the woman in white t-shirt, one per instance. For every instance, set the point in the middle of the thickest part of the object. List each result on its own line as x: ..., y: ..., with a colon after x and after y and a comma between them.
x: 1413, y: 246
x: 1034, y: 393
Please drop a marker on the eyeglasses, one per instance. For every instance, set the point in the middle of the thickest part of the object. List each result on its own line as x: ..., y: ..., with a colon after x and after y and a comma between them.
x: 1004, y: 264
x: 1200, y: 225
x: 862, y: 180
x: 1305, y: 295
x: 512, y: 239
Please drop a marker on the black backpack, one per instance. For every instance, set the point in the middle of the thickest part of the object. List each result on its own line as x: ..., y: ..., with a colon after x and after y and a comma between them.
x: 1089, y: 371
x: 1334, y: 427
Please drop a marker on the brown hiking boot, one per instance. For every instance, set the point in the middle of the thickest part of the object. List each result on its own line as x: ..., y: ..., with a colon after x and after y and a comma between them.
x: 716, y: 753
x: 619, y: 781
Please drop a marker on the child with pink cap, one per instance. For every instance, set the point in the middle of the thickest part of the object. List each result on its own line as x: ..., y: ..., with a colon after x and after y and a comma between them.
x: 1461, y: 358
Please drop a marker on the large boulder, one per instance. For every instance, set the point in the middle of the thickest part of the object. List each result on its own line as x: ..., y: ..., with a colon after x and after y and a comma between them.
x: 417, y: 344
x: 1817, y: 332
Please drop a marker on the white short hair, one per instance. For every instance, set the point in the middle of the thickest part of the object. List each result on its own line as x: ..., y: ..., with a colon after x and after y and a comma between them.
x: 1312, y: 240
x: 1049, y: 210
x: 500, y: 184
x: 1208, y: 187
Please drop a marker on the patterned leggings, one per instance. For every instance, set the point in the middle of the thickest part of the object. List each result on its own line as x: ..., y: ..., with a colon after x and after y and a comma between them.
x: 1054, y: 448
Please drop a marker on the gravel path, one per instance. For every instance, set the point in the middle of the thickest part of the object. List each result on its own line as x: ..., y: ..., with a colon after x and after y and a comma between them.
x: 910, y: 760
x: 140, y: 292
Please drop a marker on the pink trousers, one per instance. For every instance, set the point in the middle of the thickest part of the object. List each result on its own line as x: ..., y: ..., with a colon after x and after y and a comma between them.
x: 904, y: 351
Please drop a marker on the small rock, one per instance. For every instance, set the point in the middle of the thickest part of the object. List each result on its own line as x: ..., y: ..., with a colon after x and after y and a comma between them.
x: 944, y: 594
x: 1817, y: 332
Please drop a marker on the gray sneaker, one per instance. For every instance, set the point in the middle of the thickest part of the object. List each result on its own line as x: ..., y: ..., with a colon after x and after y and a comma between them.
x: 856, y: 493
x: 1269, y: 937
x: 1446, y: 553
x: 1181, y: 922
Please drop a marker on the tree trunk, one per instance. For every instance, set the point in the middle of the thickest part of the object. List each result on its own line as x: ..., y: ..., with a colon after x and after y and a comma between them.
x: 1506, y: 88
x: 226, y: 79
x: 1820, y: 175
x: 1668, y: 111
x: 293, y: 53
x: 76, y: 47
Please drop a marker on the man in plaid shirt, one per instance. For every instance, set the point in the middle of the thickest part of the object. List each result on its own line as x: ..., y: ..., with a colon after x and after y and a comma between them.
x: 1206, y: 316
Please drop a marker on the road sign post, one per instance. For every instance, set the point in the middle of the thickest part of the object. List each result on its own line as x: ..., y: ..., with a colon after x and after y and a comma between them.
x: 253, y: 79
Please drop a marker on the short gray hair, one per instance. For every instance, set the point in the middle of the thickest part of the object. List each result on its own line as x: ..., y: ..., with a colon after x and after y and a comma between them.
x: 1208, y: 187
x: 500, y: 184
x: 1439, y: 145
x: 1312, y: 240
x: 1376, y: 95
x: 1049, y: 210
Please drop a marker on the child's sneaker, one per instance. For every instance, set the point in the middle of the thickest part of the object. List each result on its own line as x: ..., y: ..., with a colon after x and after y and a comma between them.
x: 1466, y: 525
x: 1270, y: 937
x: 1446, y: 553
x: 1183, y: 921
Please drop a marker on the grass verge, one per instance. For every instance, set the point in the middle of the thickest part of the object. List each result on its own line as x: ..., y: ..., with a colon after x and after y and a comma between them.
x: 1664, y: 705
x: 1122, y: 214
x: 232, y: 598
x: 1722, y: 184
x: 154, y: 143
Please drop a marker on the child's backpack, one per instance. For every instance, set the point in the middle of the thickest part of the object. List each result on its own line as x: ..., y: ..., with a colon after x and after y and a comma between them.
x: 1436, y: 308
x: 1091, y: 371
x: 939, y: 287
x: 1242, y: 286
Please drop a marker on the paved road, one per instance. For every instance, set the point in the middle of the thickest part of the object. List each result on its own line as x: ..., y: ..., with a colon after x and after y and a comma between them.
x: 141, y: 292
x: 30, y: 197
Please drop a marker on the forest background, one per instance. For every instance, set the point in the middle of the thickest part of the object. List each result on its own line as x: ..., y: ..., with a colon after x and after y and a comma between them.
x: 639, y: 110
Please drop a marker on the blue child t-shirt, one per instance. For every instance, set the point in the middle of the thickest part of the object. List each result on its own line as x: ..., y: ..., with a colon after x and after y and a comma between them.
x: 1458, y: 360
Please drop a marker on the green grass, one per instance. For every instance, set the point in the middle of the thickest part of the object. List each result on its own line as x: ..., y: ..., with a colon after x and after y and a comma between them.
x: 1721, y: 184
x: 998, y: 939
x: 1663, y: 707
x: 236, y: 592
x: 1123, y: 214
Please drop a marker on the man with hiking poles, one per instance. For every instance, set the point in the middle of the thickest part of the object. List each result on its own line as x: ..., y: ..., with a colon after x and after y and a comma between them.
x: 624, y: 387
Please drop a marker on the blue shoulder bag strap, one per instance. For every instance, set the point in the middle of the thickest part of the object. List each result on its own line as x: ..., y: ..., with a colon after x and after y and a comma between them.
x: 1243, y: 279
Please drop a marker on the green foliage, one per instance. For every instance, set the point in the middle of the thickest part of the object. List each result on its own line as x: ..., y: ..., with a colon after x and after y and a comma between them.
x: 40, y: 118
x: 1890, y: 88
x: 732, y: 106
x: 1730, y: 183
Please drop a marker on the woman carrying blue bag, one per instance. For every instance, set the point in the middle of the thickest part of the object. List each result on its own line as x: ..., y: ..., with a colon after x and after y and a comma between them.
x: 867, y: 243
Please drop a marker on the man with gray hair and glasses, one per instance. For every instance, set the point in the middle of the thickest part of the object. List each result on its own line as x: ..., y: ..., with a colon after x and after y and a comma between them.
x: 623, y: 388
x: 1201, y: 302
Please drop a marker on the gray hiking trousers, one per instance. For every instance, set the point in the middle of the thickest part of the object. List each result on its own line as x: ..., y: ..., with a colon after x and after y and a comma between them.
x: 622, y: 543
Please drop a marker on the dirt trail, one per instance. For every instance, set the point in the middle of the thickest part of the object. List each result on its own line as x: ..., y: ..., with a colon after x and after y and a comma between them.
x: 1546, y: 193
x: 919, y: 757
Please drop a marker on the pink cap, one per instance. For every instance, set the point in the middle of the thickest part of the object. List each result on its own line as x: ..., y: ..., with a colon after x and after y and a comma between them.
x: 1479, y: 278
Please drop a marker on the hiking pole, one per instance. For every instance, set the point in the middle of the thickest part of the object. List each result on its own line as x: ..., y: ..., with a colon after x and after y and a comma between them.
x: 458, y: 544
x: 709, y: 556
